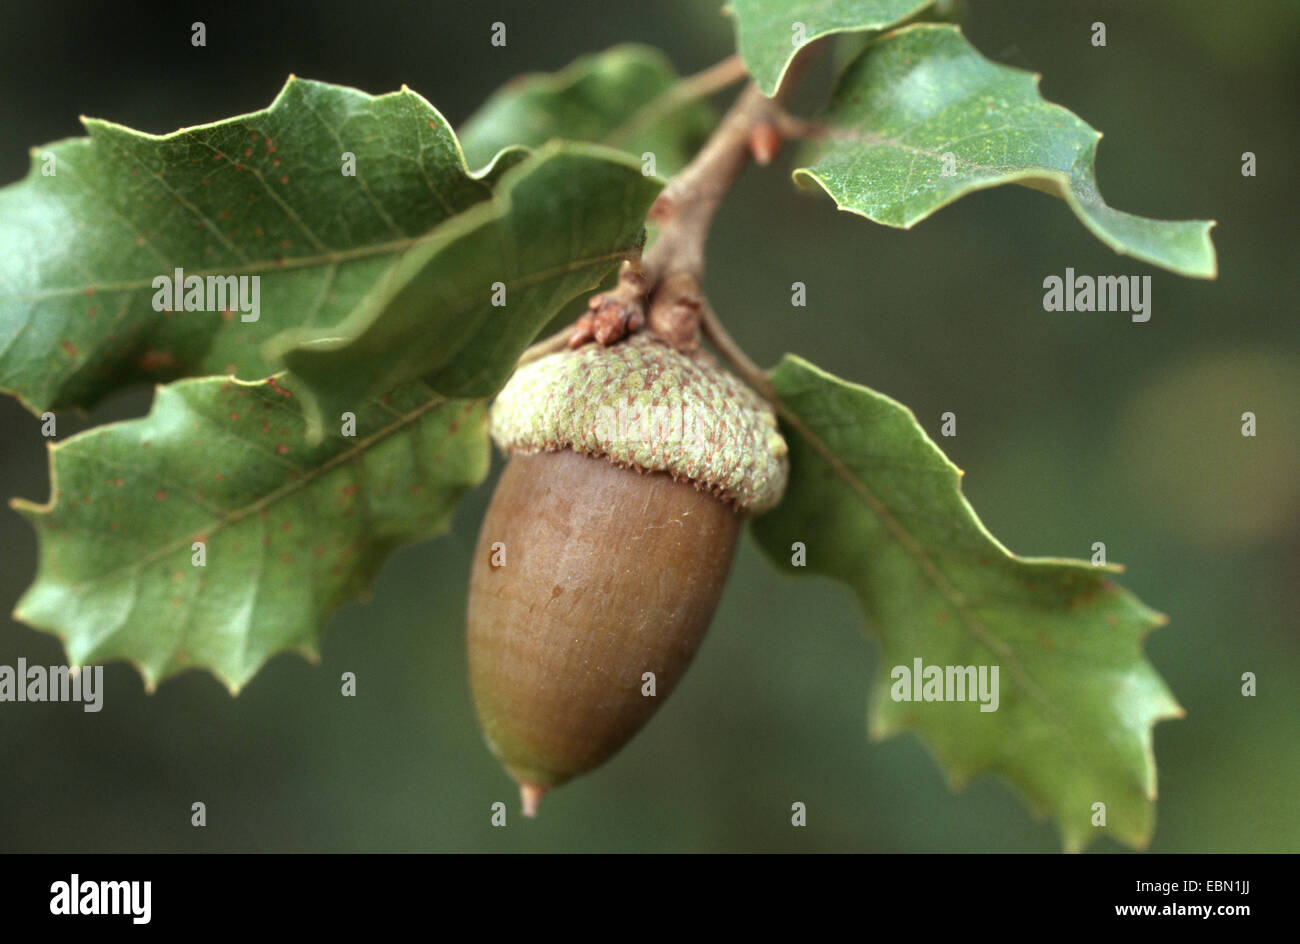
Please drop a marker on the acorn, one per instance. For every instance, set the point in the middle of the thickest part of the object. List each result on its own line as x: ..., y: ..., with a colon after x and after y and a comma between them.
x: 606, y: 545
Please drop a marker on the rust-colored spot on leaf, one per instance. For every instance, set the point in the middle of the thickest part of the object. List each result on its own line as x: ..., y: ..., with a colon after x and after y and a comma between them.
x: 1086, y: 597
x: 282, y: 449
x: 70, y: 349
x: 156, y: 360
x: 349, y: 489
x: 160, y: 495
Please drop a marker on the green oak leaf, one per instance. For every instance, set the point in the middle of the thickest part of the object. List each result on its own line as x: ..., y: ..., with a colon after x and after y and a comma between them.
x: 765, y: 31
x: 623, y: 97
x: 260, y: 194
x: 557, y: 224
x: 291, y: 530
x: 923, y: 92
x: 878, y: 506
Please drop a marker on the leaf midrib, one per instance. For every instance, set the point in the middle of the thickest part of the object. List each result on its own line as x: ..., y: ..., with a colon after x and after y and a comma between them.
x: 329, y: 257
x: 265, y: 501
x: 954, y: 597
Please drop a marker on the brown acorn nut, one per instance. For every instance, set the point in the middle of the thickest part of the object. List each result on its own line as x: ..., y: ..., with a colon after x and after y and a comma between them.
x: 606, y: 546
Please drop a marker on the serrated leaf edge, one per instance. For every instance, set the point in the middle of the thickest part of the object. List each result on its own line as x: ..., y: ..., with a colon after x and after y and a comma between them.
x: 35, y: 512
x: 513, y: 154
x: 1055, y: 183
x: 728, y: 10
x: 878, y: 730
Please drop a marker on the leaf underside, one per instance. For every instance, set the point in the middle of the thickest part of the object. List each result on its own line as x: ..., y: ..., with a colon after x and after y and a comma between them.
x: 921, y: 118
x: 879, y: 507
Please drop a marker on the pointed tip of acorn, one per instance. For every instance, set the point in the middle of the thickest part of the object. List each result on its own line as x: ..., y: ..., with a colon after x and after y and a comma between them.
x: 530, y: 795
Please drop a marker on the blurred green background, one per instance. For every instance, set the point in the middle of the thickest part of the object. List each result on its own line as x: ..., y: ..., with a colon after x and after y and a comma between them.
x: 1073, y: 428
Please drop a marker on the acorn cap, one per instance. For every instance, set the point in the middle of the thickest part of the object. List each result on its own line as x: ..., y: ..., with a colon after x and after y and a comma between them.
x: 643, y: 404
